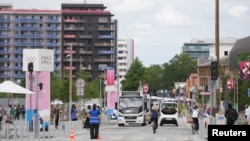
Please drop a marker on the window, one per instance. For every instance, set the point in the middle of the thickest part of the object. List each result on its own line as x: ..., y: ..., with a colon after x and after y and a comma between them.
x: 225, y: 53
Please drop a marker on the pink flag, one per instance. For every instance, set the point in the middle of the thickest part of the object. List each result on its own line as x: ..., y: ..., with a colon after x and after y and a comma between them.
x: 110, y: 77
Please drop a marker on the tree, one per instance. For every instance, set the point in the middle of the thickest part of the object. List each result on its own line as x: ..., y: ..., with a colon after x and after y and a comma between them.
x: 154, y: 77
x: 92, y: 89
x: 135, y: 76
x: 178, y: 70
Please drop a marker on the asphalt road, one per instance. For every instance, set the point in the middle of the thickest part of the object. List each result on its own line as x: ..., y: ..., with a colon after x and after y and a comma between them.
x: 140, y: 133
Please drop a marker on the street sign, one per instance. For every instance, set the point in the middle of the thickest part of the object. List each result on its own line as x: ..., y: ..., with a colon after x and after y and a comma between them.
x: 205, y: 93
x: 248, y: 92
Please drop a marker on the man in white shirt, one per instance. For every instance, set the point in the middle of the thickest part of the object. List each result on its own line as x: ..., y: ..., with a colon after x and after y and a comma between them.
x: 195, y: 116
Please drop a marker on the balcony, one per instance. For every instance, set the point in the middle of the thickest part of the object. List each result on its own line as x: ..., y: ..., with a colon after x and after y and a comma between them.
x: 12, y: 75
x: 104, y: 44
x: 106, y: 29
x: 11, y: 51
x: 4, y: 19
x: 70, y: 20
x: 85, y: 52
x: 11, y: 68
x: 28, y: 20
x: 70, y: 28
x: 4, y: 27
x: 106, y: 52
x: 85, y: 36
x: 52, y: 20
x: 27, y: 28
x: 4, y: 43
x: 104, y: 60
x: 69, y: 36
x: 106, y: 36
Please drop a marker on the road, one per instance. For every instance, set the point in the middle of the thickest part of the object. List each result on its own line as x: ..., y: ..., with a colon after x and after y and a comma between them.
x: 141, y: 133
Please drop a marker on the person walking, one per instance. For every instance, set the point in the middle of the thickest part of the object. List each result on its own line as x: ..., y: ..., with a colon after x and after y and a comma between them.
x: 86, y: 124
x: 231, y: 115
x: 248, y: 115
x: 73, y: 113
x: 1, y: 117
x: 56, y: 113
x: 195, y: 117
x: 154, y: 116
x: 94, y: 122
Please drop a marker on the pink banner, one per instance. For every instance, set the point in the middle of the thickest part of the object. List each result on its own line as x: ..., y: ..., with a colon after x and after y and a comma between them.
x: 41, y: 86
x: 110, y: 77
x: 111, y: 99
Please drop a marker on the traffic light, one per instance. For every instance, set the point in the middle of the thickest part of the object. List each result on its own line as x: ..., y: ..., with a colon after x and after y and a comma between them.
x: 30, y: 67
x: 214, y: 70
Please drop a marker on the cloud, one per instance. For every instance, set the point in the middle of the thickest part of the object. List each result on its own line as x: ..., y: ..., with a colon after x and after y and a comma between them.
x: 169, y: 16
x: 238, y: 10
x: 127, y: 6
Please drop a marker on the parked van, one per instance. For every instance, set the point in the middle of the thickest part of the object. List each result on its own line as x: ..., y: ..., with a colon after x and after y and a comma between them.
x: 169, y: 113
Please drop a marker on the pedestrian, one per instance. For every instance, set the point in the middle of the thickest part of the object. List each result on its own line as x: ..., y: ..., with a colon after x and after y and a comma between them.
x: 231, y: 115
x: 56, y: 113
x: 1, y: 117
x: 195, y: 116
x: 154, y: 116
x: 94, y: 121
x: 73, y: 113
x: 23, y: 111
x: 86, y: 124
x: 248, y: 115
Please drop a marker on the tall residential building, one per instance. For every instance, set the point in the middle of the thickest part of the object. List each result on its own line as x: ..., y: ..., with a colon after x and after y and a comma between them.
x: 125, y: 57
x: 92, y: 33
x: 26, y: 28
x: 86, y: 29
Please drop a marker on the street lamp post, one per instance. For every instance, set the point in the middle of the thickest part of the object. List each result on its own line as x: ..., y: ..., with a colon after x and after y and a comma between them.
x: 70, y: 52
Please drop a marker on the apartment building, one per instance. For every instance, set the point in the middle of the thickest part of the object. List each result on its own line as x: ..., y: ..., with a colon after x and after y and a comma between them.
x: 85, y: 32
x: 125, y: 57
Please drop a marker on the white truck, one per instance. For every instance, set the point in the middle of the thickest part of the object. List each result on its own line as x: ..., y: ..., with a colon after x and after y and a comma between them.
x: 131, y: 108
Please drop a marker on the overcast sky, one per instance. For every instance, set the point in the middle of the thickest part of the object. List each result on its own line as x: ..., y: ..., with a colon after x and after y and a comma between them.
x: 160, y: 27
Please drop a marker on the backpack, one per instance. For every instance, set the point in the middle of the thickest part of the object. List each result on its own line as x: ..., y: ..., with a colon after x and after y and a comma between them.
x: 232, y: 115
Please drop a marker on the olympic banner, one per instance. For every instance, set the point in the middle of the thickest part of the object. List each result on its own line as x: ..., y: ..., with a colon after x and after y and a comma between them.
x: 110, y: 77
x: 42, y: 59
x: 41, y: 86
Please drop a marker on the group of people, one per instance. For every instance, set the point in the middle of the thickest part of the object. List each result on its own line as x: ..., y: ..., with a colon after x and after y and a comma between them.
x: 12, y: 112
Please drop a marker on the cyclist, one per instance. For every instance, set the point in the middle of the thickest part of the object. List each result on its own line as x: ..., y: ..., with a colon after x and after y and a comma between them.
x: 154, y: 116
x: 195, y: 117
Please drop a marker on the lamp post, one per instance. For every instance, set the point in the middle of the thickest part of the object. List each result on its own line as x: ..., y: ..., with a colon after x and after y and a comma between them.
x: 70, y: 52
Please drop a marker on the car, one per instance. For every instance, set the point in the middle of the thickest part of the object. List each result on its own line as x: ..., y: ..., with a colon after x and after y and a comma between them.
x: 168, y: 113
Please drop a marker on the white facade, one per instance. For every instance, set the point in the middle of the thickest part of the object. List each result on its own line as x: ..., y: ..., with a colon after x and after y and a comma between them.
x: 125, y: 57
x: 224, y: 48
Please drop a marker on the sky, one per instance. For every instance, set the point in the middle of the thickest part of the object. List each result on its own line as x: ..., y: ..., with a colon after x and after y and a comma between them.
x: 160, y: 27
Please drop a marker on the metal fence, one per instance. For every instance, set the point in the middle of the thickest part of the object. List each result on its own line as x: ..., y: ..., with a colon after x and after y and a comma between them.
x: 20, y: 130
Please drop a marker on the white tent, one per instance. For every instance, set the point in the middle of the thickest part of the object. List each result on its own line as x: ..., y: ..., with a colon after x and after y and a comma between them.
x: 11, y: 87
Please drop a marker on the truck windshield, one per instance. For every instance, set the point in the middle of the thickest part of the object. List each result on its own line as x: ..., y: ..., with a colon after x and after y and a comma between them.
x: 130, y: 105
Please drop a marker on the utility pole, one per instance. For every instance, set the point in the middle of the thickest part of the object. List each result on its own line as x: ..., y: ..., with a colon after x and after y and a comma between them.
x: 217, y: 46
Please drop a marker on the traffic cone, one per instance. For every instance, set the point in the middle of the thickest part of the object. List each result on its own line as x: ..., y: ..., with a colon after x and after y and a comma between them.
x: 72, y: 135
x: 98, y: 137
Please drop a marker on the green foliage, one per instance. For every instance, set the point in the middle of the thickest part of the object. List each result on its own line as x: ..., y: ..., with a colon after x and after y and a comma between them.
x: 154, y: 77
x: 180, y: 107
x: 178, y: 70
x: 92, y: 89
x: 134, y: 76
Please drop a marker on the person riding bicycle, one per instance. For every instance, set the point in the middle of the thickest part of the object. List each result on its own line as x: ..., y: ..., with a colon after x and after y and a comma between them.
x: 155, y: 115
x: 195, y: 117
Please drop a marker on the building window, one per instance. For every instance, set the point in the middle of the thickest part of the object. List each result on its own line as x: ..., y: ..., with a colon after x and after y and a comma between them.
x: 225, y: 53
